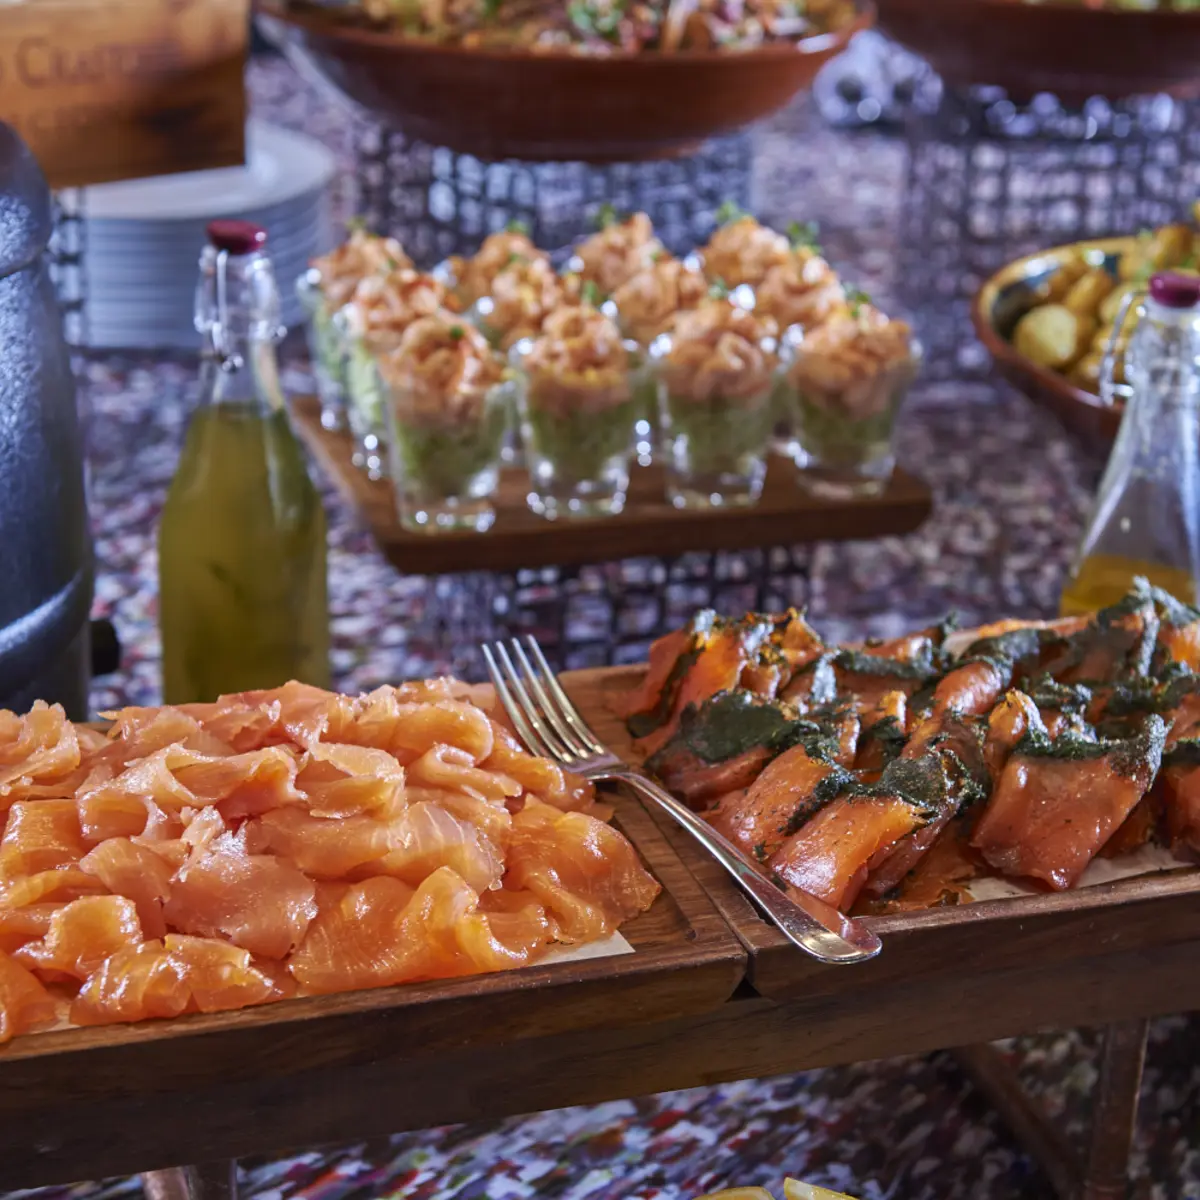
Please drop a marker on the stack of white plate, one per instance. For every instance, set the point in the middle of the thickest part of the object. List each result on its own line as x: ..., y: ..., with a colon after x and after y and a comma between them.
x: 143, y: 238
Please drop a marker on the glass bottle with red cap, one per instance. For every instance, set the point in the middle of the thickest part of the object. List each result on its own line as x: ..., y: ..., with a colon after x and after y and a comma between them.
x: 1146, y: 517
x: 241, y: 544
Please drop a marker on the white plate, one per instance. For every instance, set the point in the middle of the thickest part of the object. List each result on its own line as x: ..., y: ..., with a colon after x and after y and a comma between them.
x: 280, y: 166
x: 136, y: 239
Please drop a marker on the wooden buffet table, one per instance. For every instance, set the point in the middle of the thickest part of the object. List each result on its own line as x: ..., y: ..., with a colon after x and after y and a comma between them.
x: 711, y: 995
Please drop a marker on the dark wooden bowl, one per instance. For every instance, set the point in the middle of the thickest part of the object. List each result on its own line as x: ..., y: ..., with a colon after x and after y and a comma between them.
x: 1004, y: 299
x: 1068, y: 49
x: 552, y: 106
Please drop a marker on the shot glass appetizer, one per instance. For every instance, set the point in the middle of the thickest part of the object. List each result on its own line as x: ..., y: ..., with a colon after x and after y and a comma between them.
x: 373, y: 322
x: 646, y: 306
x: 322, y: 290
x: 469, y: 279
x: 616, y: 252
x: 579, y: 409
x: 796, y: 295
x: 448, y: 408
x: 716, y: 372
x: 849, y: 377
x: 742, y: 251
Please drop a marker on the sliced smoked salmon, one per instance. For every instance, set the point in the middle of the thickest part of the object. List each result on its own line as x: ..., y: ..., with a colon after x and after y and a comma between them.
x: 81, y: 936
x: 1058, y: 801
x: 831, y: 855
x: 322, y: 847
x: 169, y: 978
x: 25, y: 1005
x: 790, y: 790
x: 30, y: 923
x: 183, y: 861
x: 255, y: 901
x: 38, y: 747
x: 382, y: 931
x: 127, y: 868
x: 340, y: 780
x: 428, y: 836
x: 585, y: 874
x: 40, y: 835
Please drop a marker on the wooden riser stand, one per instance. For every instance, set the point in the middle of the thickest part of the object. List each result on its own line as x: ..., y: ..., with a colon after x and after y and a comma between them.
x: 1103, y: 1174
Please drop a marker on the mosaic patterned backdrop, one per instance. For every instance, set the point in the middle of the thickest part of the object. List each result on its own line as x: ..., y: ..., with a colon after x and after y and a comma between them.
x: 1011, y: 492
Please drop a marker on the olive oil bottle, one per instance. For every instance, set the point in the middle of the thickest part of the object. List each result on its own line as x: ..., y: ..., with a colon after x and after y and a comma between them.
x: 241, y: 544
x: 1146, y: 516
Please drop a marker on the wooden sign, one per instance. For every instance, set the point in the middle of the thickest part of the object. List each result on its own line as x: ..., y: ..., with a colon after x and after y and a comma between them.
x: 122, y: 89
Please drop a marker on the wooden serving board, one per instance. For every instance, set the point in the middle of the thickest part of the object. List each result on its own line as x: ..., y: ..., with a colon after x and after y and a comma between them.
x: 105, y: 1096
x: 944, y: 945
x: 648, y: 526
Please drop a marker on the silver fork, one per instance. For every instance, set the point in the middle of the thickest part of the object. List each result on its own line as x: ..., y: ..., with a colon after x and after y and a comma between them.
x: 550, y: 726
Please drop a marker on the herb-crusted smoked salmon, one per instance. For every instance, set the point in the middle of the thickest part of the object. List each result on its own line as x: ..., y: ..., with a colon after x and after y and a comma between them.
x: 897, y: 771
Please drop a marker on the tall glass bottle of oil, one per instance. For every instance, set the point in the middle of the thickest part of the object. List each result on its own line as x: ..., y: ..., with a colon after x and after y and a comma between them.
x: 1146, y: 516
x: 241, y: 545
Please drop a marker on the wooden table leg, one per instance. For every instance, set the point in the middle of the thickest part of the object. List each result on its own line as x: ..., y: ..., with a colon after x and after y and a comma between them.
x: 209, y: 1181
x: 1104, y: 1173
x: 1114, y: 1117
x: 992, y: 1075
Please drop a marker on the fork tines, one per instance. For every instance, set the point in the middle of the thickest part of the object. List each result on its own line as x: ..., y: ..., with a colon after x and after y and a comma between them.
x: 540, y: 710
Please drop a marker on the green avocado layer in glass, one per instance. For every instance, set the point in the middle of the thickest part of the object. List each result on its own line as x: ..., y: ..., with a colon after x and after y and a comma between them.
x: 581, y: 444
x: 327, y: 344
x: 834, y: 438
x: 444, y: 460
x: 364, y: 387
x: 720, y: 433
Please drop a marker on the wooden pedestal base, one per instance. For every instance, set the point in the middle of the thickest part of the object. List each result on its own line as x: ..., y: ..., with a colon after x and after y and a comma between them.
x: 1103, y: 1174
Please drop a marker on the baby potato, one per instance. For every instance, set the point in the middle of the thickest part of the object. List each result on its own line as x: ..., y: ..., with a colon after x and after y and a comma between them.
x: 1169, y: 246
x: 1061, y: 282
x: 1133, y: 264
x: 1088, y: 291
x: 1112, y: 302
x: 1086, y: 372
x: 1052, y: 335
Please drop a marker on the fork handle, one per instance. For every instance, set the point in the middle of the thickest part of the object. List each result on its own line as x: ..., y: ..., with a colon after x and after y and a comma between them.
x: 817, y: 928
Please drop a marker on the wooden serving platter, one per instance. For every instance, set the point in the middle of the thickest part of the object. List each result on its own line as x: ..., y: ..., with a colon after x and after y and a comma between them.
x: 648, y: 526
x: 943, y: 946
x: 89, y: 1096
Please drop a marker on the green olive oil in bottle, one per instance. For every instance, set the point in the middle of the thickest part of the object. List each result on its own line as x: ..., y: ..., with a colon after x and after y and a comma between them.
x: 241, y: 544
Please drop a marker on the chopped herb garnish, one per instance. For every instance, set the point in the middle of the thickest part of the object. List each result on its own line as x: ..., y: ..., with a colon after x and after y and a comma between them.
x: 729, y: 212
x: 804, y: 235
x: 607, y: 216
x: 457, y: 333
x: 356, y: 224
x: 856, y: 298
x: 491, y: 9
x: 719, y: 290
x: 516, y: 226
x: 590, y: 293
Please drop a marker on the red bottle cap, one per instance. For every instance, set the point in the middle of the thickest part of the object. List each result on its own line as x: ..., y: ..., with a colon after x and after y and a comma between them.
x: 1175, y: 291
x: 237, y: 237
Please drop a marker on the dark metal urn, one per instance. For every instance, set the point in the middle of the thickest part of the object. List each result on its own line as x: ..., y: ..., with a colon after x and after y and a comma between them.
x: 45, y: 543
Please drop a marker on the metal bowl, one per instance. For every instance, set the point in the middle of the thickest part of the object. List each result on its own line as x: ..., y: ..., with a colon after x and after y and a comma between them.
x: 552, y: 105
x: 1011, y: 293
